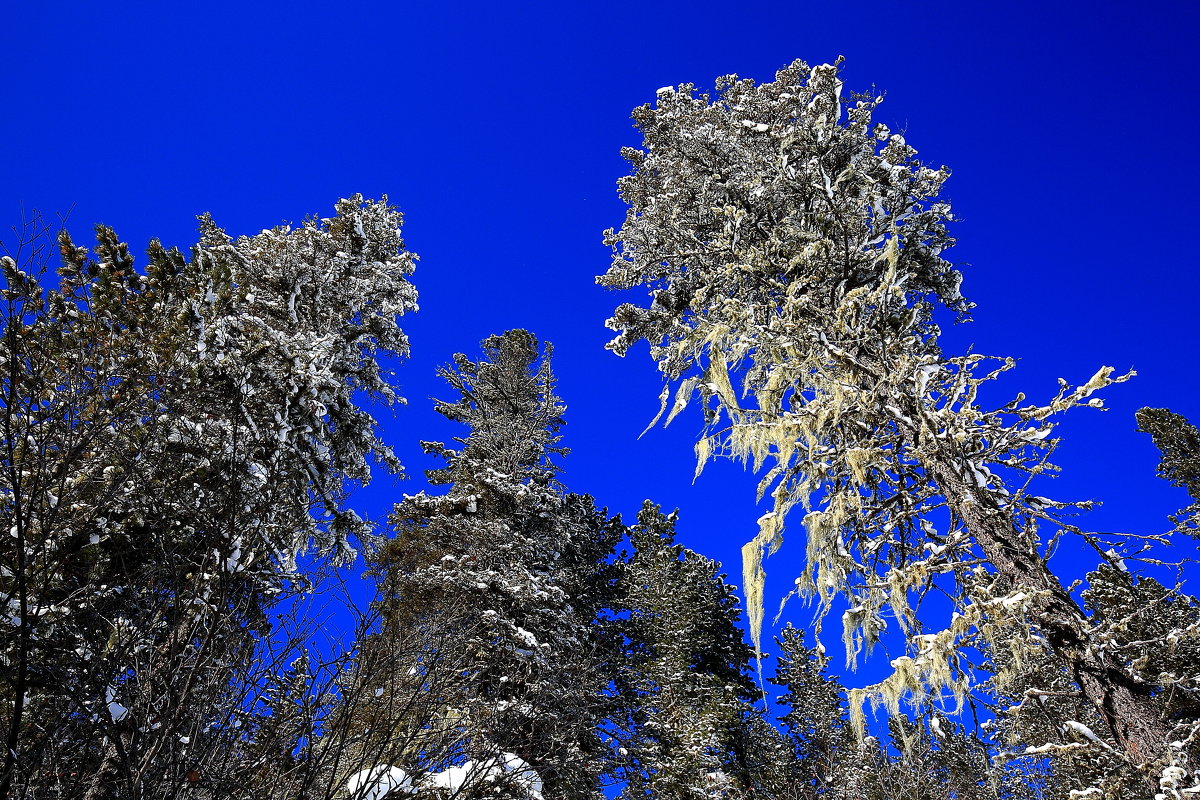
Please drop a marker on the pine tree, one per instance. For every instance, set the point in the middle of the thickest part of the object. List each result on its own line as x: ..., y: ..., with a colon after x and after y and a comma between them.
x: 505, y: 574
x: 173, y: 440
x: 686, y: 678
x: 794, y: 245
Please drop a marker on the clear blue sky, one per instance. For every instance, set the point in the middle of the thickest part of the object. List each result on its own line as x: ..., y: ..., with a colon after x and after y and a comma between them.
x: 496, y: 129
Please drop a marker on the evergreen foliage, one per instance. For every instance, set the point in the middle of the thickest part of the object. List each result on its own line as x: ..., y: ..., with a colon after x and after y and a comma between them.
x: 173, y: 440
x: 925, y: 757
x: 685, y: 681
x: 504, y: 571
x: 823, y: 744
x: 177, y: 438
x: 1179, y: 442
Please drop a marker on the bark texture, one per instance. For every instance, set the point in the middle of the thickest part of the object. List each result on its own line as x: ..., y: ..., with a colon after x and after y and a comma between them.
x: 1134, y: 716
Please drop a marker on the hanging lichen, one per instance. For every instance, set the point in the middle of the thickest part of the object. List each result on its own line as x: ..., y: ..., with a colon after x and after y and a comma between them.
x: 794, y: 246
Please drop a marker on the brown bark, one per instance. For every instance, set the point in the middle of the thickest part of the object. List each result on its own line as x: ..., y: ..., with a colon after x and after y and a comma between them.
x: 1133, y: 715
x: 104, y: 779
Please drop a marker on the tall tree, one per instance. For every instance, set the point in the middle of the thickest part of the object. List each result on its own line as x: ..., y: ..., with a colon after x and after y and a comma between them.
x: 824, y: 748
x: 793, y: 243
x: 172, y: 441
x: 510, y: 567
x: 686, y: 679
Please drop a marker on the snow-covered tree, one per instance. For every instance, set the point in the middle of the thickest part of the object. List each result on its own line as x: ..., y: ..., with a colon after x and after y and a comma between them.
x: 1047, y: 728
x: 173, y: 439
x: 506, y: 568
x: 793, y: 248
x: 1156, y: 630
x: 685, y: 681
x: 825, y: 750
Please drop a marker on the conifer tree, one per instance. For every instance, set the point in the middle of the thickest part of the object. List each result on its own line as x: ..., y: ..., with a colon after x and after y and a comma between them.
x: 172, y: 440
x: 1179, y: 442
x: 926, y: 757
x: 505, y: 573
x: 686, y: 677
x: 824, y: 748
x: 1047, y: 733
x: 793, y: 245
x: 1157, y: 630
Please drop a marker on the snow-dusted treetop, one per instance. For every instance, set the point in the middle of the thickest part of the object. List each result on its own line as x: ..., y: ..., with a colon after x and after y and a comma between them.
x: 764, y: 194
x: 795, y: 247
x: 176, y: 436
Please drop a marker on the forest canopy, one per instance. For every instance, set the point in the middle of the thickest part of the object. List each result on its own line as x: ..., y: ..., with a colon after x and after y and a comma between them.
x: 184, y: 436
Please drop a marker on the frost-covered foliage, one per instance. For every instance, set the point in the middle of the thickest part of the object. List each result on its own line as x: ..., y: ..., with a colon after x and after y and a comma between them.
x: 793, y: 248
x: 505, y: 566
x: 685, y: 681
x: 774, y: 237
x: 174, y: 438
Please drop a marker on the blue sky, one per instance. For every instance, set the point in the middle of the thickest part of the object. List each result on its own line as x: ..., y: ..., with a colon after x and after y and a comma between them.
x: 496, y: 129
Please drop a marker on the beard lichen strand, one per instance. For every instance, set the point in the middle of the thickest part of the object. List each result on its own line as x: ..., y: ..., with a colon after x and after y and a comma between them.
x: 829, y: 562
x: 1128, y: 707
x: 812, y: 426
x: 937, y: 664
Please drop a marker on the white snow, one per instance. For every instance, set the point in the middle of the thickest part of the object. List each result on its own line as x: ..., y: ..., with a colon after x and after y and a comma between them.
x: 452, y: 779
x: 234, y: 562
x: 117, y: 711
x: 1116, y: 560
x: 378, y: 782
x: 502, y: 765
x: 1085, y: 732
x: 523, y: 773
x: 1014, y: 601
x: 14, y: 612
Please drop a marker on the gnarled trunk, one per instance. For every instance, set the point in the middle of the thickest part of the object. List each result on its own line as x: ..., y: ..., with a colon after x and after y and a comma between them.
x: 1133, y: 715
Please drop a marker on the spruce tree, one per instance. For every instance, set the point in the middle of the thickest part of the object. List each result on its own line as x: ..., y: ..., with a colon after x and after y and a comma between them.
x: 1041, y: 727
x: 686, y: 678
x: 1179, y: 443
x: 1157, y: 630
x: 504, y: 574
x: 824, y: 748
x: 173, y: 440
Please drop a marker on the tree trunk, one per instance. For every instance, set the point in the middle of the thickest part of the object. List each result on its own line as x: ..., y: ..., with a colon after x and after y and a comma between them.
x: 103, y: 783
x: 1133, y: 715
